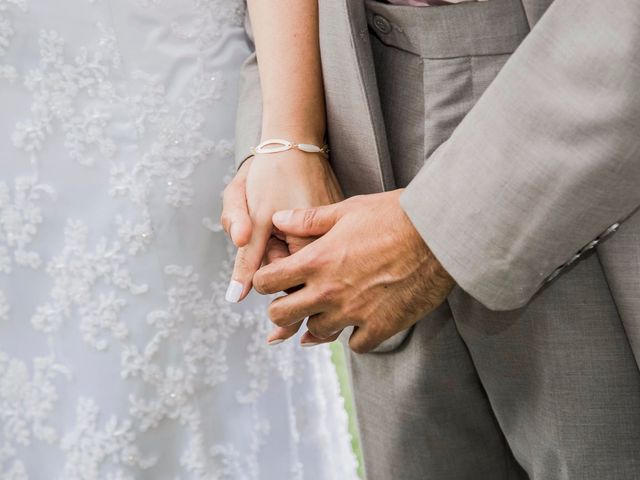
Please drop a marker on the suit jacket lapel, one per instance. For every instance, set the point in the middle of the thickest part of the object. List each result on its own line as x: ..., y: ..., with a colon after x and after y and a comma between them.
x: 360, y: 154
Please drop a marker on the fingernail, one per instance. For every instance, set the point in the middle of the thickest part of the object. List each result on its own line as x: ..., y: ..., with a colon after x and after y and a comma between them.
x: 309, y: 344
x: 282, y: 217
x: 276, y: 341
x: 233, y: 292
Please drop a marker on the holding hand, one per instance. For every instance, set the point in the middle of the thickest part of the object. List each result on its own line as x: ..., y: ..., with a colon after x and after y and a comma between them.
x: 263, y: 185
x: 369, y: 269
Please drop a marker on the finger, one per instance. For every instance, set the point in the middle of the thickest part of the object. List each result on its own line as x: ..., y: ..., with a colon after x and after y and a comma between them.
x: 295, y: 244
x: 309, y: 222
x: 276, y: 250
x: 235, y: 217
x: 325, y: 325
x: 362, y: 340
x: 248, y: 260
x: 280, y: 334
x: 282, y: 275
x: 289, y: 309
x: 308, y: 340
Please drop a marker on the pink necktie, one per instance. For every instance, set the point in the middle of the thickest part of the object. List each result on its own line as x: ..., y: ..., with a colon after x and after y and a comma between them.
x: 430, y: 3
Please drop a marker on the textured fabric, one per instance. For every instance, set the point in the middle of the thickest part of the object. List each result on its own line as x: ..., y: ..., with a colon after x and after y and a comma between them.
x: 561, y: 377
x: 119, y: 358
x: 532, y: 363
x: 554, y: 141
x: 449, y: 66
x: 430, y: 374
x: 557, y: 380
x: 423, y: 411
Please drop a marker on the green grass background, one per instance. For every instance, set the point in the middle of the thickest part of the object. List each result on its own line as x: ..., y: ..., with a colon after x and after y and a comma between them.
x: 338, y: 357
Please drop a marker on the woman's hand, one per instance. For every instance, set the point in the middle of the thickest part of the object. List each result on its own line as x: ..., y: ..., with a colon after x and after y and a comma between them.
x: 263, y: 185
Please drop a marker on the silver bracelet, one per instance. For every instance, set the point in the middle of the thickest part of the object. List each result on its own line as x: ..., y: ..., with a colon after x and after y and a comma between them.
x: 277, y: 145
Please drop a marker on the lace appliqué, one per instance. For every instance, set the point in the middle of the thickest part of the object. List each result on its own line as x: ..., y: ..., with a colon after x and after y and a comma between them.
x: 164, y: 319
x: 76, y: 273
x: 26, y: 402
x: 90, y: 446
x: 20, y: 216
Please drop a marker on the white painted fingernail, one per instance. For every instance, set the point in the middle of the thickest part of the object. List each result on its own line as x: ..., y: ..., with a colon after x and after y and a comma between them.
x: 277, y: 341
x: 309, y: 344
x: 233, y: 292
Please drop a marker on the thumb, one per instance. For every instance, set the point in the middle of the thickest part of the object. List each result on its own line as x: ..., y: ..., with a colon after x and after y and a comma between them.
x: 248, y: 261
x: 310, y: 222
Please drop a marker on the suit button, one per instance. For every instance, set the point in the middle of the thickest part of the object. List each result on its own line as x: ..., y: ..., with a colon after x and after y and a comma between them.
x: 613, y: 228
x: 381, y: 24
x: 574, y: 259
x: 554, y: 274
x: 589, y: 245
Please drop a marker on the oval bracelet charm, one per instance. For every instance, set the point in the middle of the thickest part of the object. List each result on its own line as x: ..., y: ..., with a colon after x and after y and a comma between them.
x: 277, y: 145
x: 273, y: 145
x: 308, y: 147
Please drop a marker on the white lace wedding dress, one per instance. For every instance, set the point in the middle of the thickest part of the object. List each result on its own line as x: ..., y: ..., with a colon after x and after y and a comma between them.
x: 119, y: 358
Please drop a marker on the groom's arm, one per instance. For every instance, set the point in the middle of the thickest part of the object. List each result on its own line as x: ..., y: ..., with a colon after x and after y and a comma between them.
x: 547, y: 161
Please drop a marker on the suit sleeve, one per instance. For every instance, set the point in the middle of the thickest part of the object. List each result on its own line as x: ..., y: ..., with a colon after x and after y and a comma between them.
x: 249, y: 113
x: 546, y: 164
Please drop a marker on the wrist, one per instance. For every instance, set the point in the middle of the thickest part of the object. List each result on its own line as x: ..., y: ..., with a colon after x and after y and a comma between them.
x: 431, y: 265
x: 298, y: 131
x: 279, y: 145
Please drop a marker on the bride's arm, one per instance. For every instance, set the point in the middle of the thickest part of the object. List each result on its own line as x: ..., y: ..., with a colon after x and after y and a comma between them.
x: 292, y: 102
x: 288, y: 52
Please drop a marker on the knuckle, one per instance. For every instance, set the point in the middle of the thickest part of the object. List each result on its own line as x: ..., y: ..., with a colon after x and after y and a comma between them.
x: 225, y: 218
x: 357, y: 347
x: 363, y: 343
x: 243, y: 263
x: 309, y: 218
x: 317, y: 328
x: 276, y: 315
x: 327, y: 296
x: 260, y: 283
x: 315, y: 261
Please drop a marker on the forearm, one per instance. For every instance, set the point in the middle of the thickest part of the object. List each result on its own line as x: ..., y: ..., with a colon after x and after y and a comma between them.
x: 545, y: 162
x: 287, y: 46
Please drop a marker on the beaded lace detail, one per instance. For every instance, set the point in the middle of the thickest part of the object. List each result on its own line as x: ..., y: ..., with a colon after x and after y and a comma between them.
x: 119, y: 358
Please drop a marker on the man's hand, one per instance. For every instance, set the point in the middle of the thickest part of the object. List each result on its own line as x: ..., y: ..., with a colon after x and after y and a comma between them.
x: 370, y: 268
